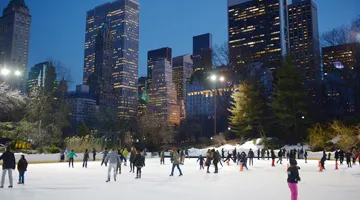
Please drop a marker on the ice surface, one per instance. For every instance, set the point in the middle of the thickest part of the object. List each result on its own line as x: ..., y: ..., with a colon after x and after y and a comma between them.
x: 58, y: 182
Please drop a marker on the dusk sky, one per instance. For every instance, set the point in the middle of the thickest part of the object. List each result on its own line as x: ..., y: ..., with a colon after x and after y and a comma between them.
x: 58, y: 26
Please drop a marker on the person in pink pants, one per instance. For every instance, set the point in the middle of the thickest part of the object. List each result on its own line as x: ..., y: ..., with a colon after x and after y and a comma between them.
x: 293, y: 179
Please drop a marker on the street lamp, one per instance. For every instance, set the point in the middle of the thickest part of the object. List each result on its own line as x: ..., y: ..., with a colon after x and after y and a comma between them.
x: 229, y: 128
x: 215, y: 79
x: 17, y: 73
x: 303, y: 117
x: 5, y: 72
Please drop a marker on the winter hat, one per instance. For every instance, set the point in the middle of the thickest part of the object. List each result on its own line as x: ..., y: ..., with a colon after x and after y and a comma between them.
x: 293, y: 162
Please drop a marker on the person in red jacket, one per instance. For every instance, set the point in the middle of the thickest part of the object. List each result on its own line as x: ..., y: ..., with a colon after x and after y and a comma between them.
x: 358, y: 156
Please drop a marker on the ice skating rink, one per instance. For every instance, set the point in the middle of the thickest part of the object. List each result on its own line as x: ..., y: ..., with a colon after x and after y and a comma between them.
x: 59, y: 182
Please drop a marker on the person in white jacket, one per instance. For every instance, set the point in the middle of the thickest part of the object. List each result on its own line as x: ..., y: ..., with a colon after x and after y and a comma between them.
x: 114, y: 159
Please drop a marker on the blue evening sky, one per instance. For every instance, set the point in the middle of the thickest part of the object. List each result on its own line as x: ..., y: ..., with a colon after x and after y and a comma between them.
x: 58, y: 26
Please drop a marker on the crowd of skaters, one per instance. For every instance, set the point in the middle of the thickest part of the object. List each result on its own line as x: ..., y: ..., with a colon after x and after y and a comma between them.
x: 113, y: 159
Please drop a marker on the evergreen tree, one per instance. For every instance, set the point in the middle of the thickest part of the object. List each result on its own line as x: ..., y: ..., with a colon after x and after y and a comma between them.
x: 247, y: 109
x: 82, y: 129
x: 289, y: 103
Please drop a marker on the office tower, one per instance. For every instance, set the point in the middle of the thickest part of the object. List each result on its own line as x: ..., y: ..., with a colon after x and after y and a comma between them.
x: 143, y: 94
x: 154, y: 56
x: 202, y: 52
x: 182, y: 71
x: 304, y: 41
x: 163, y: 101
x: 14, y: 42
x: 124, y: 22
x: 341, y: 65
x: 101, y: 80
x: 42, y: 75
x: 258, y: 32
x: 82, y: 105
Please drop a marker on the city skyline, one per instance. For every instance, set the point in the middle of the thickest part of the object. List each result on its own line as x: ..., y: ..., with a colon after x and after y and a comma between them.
x: 69, y: 37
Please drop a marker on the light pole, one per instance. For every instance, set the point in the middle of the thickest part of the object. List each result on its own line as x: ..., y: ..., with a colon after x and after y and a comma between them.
x: 5, y: 72
x: 215, y: 79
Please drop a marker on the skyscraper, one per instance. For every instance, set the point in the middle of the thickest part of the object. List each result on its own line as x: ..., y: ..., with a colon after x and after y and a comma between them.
x: 163, y: 101
x: 101, y: 81
x: 124, y: 23
x: 304, y: 41
x: 42, y: 75
x: 258, y: 31
x: 202, y: 52
x: 14, y: 41
x: 157, y: 55
x: 143, y: 94
x: 182, y: 70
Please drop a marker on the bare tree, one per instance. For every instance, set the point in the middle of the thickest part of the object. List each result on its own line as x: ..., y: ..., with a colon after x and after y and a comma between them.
x: 342, y: 35
x: 62, y: 72
x: 10, y: 99
x: 221, y: 55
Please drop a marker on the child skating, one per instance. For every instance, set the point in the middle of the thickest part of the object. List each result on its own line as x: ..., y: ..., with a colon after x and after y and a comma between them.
x: 201, y: 159
x: 22, y: 167
x: 293, y: 178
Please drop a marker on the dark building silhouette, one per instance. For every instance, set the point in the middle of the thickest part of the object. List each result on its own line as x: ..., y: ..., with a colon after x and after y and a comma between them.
x: 154, y: 56
x: 202, y: 52
x: 101, y: 80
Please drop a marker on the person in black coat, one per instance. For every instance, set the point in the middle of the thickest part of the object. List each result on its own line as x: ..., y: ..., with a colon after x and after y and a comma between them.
x: 122, y: 158
x: 348, y: 158
x: 94, y: 154
x: 336, y: 156
x: 280, y: 155
x: 201, y: 159
x: 293, y: 178
x: 341, y: 156
x: 305, y: 156
x: 139, y: 162
x: 222, y: 153
x: 85, y: 158
x: 267, y: 154
x: 273, y: 157
x: 8, y: 166
x: 22, y: 167
x: 251, y: 156
x: 234, y: 154
x: 258, y: 154
x: 322, y: 161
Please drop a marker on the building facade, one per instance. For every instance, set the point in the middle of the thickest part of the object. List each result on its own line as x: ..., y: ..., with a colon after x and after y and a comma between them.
x: 258, y: 32
x: 202, y: 52
x: 42, y: 75
x: 162, y: 93
x: 153, y: 57
x: 124, y: 22
x: 82, y: 105
x: 15, y: 25
x: 304, y: 42
x: 101, y: 80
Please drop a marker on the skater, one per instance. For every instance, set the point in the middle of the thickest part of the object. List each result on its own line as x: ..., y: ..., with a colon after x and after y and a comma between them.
x: 176, y: 162
x: 113, y: 159
x: 8, y: 166
x: 181, y: 157
x: 238, y: 158
x: 218, y: 154
x: 132, y: 158
x: 267, y: 154
x: 243, y: 160
x: 293, y: 178
x: 201, y: 159
x: 187, y: 153
x: 287, y: 155
x: 162, y: 157
x: 86, y: 158
x: 354, y: 156
x: 273, y: 157
x: 121, y: 156
x: 263, y: 154
x: 222, y: 153
x: 71, y: 156
x: 105, y: 154
x: 348, y: 158
x: 139, y: 162
x: 125, y: 153
x: 234, y: 154
x: 251, y: 157
x: 336, y: 155
x: 94, y: 154
x: 322, y: 162
x: 280, y: 155
x: 341, y: 156
x: 62, y: 156
x: 305, y: 156
x: 208, y: 163
x: 216, y: 159
x: 329, y: 156
x: 258, y: 154
x: 22, y: 166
